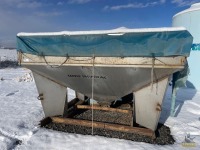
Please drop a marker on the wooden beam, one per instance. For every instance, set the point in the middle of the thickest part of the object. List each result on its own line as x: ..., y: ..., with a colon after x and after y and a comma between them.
x: 71, y: 111
x: 104, y: 108
x: 160, y: 62
x: 73, y: 102
x: 102, y: 125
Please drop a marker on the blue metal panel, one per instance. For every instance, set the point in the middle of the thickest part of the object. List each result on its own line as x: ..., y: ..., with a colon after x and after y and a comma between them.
x: 196, y: 47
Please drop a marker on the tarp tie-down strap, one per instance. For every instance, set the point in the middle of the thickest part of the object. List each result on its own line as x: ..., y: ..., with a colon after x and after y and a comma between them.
x: 55, y: 66
x: 152, y: 72
x: 93, y: 92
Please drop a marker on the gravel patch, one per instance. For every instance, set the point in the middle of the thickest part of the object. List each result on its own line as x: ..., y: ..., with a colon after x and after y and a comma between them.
x: 162, y: 132
x: 8, y: 64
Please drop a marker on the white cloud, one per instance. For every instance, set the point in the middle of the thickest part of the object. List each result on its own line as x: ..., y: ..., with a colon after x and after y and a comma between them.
x: 33, y: 4
x: 20, y: 3
x: 78, y: 1
x: 48, y: 14
x: 22, y: 16
x: 182, y: 3
x: 135, y: 5
x: 162, y: 1
x: 12, y: 23
x: 60, y: 3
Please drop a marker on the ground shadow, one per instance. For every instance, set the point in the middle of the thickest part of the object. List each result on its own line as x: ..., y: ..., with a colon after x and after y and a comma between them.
x: 183, y: 94
x: 8, y: 64
x: 12, y: 93
x: 190, y: 85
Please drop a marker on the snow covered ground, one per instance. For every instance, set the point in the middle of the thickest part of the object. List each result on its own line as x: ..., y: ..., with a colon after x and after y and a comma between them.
x: 20, y: 113
x: 6, y: 54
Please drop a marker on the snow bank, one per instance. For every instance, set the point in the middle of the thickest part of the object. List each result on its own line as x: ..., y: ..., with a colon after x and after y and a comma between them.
x: 27, y: 77
x: 113, y: 31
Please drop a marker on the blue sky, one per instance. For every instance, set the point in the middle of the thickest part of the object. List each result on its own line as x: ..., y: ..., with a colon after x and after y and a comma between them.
x: 58, y: 15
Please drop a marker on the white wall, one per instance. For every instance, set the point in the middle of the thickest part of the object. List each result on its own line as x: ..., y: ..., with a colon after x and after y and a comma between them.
x: 190, y: 19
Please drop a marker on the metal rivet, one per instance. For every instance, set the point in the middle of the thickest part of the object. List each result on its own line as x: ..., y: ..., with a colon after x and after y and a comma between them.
x: 40, y: 97
x: 158, y: 107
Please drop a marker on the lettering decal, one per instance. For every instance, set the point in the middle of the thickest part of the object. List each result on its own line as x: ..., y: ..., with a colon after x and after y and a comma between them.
x: 85, y: 76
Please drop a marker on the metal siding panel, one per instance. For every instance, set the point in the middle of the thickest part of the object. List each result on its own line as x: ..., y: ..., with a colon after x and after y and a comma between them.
x: 147, y: 104
x: 54, y: 95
